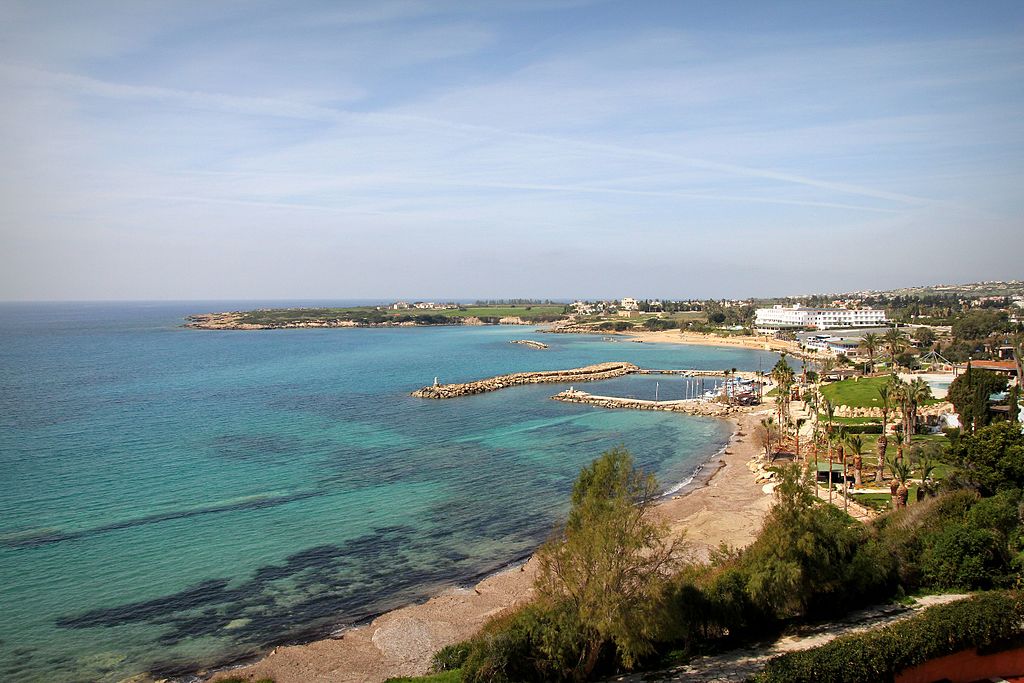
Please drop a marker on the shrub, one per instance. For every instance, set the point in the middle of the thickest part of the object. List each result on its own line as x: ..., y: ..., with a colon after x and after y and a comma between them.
x: 863, y: 428
x: 534, y: 643
x: 956, y: 540
x: 450, y: 657
x: 991, y: 459
x: 802, y: 559
x: 962, y: 557
x: 985, y: 620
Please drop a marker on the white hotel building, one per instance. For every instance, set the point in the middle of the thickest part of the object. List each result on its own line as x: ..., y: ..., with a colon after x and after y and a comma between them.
x: 768, y: 320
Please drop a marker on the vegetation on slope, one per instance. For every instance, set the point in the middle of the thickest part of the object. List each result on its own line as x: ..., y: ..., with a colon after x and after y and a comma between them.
x: 987, y: 620
x: 607, y: 604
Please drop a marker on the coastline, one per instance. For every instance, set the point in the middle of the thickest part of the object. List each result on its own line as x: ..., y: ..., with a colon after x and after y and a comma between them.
x: 720, y: 503
x: 760, y: 343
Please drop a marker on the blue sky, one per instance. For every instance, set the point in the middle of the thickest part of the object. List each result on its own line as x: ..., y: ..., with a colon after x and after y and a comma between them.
x: 194, y: 150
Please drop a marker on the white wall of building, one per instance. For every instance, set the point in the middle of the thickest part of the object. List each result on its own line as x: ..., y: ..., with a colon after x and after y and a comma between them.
x: 789, y: 317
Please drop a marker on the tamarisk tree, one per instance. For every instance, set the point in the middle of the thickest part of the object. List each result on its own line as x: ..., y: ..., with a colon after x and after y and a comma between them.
x: 610, y: 563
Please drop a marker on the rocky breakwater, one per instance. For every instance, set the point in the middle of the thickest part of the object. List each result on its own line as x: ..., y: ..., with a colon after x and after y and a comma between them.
x: 529, y: 342
x: 688, y: 406
x: 588, y: 373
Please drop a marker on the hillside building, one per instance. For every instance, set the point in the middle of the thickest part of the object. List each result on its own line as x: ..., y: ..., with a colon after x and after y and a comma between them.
x: 778, y: 317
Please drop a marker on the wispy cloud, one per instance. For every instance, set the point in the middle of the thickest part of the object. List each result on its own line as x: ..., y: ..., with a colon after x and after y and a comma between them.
x: 262, y: 106
x: 187, y: 131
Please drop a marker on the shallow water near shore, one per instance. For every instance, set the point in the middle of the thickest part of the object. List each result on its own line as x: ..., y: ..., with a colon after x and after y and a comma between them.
x: 173, y: 499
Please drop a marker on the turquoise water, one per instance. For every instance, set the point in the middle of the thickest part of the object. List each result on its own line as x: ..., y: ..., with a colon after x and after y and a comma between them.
x: 173, y: 498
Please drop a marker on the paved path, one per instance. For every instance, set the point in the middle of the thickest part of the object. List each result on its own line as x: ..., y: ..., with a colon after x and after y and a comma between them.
x: 738, y: 665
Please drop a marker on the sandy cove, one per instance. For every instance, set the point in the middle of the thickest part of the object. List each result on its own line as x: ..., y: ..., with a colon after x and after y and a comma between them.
x: 729, y: 508
x: 759, y: 342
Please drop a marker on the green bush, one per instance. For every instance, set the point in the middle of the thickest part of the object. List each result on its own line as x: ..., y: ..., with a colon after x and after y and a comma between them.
x: 985, y: 620
x: 803, y: 561
x: 955, y: 541
x: 962, y: 557
x: 863, y: 428
x: 450, y: 657
x: 534, y: 643
x: 991, y: 459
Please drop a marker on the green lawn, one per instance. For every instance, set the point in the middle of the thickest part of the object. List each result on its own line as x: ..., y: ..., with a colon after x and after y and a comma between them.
x: 859, y: 392
x: 849, y: 420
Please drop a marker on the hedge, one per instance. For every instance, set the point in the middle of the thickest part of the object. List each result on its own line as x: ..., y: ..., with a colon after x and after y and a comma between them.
x: 984, y: 620
x: 862, y: 429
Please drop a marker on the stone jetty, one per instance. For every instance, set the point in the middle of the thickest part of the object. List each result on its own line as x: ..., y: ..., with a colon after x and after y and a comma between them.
x: 588, y: 373
x: 529, y: 342
x: 687, y: 406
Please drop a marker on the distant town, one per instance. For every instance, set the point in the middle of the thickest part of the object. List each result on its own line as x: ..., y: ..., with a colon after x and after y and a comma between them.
x: 952, y: 322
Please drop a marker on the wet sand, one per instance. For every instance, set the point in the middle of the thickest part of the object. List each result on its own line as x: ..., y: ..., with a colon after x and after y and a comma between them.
x: 723, y: 504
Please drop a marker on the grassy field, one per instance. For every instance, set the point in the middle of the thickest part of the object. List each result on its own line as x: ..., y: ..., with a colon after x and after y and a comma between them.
x: 861, y: 392
x: 870, y: 461
x: 858, y: 392
x: 850, y: 420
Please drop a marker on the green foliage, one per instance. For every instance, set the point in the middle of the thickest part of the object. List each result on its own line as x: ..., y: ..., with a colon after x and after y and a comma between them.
x: 991, y: 459
x: 862, y: 428
x: 979, y: 324
x: 969, y: 393
x: 805, y: 556
x: 369, y: 315
x: 454, y: 676
x: 861, y: 392
x: 984, y: 620
x: 660, y: 324
x: 609, y: 563
x: 607, y: 602
x: 925, y: 336
x: 450, y: 657
x: 535, y: 643
x: 961, y: 557
x: 956, y: 541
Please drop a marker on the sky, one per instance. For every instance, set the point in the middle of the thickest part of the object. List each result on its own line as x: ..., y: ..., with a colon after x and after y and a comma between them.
x: 400, y: 149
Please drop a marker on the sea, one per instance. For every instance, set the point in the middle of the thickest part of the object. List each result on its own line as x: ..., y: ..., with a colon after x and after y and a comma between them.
x: 175, y: 499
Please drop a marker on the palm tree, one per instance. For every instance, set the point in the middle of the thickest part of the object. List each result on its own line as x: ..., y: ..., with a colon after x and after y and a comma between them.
x: 899, y: 395
x: 782, y: 374
x: 830, y: 414
x: 927, y: 487
x: 870, y: 344
x: 900, y: 473
x: 894, y: 342
x: 766, y: 435
x: 917, y: 393
x: 840, y: 439
x: 825, y: 366
x: 856, y: 444
x: 883, y: 440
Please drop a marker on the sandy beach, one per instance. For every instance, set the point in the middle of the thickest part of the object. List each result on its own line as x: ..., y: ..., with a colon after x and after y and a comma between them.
x: 728, y: 507
x: 759, y: 342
